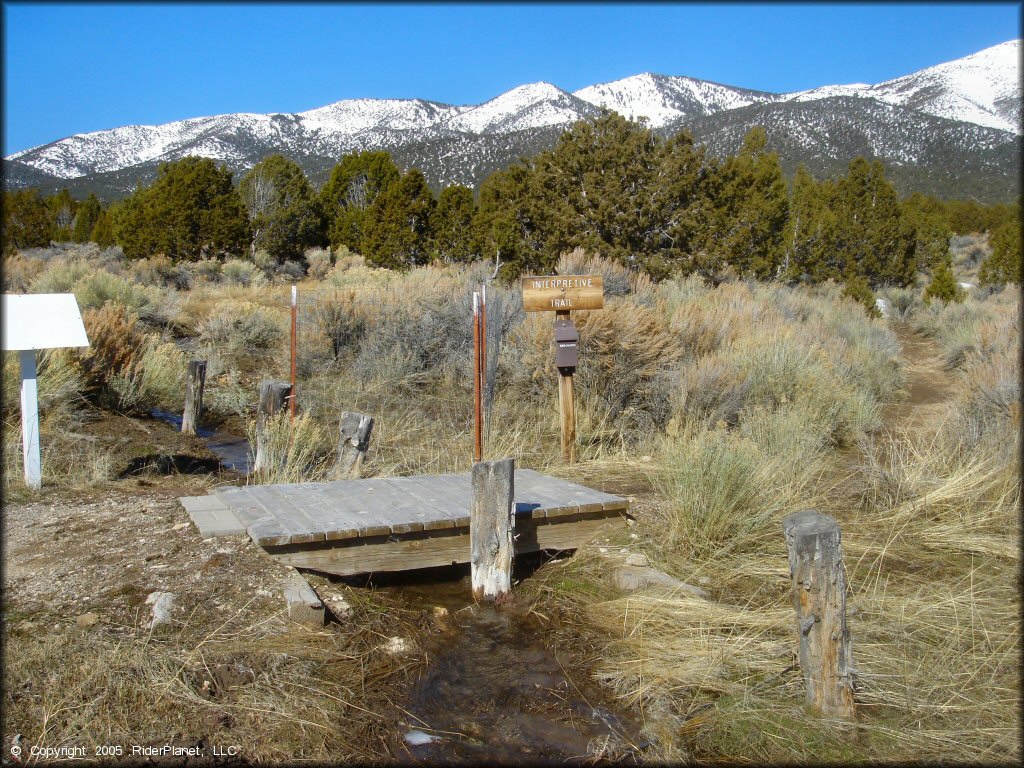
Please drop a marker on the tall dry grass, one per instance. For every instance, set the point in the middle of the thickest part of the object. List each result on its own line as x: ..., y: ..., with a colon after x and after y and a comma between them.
x: 768, y: 389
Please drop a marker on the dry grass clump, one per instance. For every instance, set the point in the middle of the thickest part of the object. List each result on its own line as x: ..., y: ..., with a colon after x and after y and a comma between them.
x: 115, y: 340
x: 243, y: 273
x: 242, y: 677
x: 294, y: 451
x: 242, y: 334
x: 160, y: 271
x: 20, y: 272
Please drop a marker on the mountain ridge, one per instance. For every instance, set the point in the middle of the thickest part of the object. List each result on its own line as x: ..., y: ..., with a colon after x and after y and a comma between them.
x: 975, y: 96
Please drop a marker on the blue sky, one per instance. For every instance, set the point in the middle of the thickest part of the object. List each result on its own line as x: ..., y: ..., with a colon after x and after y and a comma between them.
x: 73, y: 68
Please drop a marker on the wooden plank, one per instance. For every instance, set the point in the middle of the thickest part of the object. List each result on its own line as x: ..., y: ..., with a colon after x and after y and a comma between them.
x: 304, y: 605
x: 551, y: 293
x: 434, y: 518
x: 427, y: 549
x: 446, y: 496
x: 292, y: 504
x: 289, y: 520
x: 263, y: 527
x: 352, y: 496
x: 569, y: 493
x: 242, y: 504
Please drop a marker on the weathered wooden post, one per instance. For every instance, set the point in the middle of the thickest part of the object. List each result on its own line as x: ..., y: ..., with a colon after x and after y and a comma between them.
x: 273, y: 395
x: 353, y: 441
x: 490, y: 528
x: 562, y: 294
x: 819, y: 597
x: 195, y: 380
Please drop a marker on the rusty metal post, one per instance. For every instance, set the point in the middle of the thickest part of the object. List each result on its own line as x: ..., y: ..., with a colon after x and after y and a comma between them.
x: 483, y: 352
x: 291, y: 402
x: 566, y: 405
x: 477, y: 448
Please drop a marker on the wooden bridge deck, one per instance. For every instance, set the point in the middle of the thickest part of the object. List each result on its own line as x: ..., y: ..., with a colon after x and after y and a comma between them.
x: 399, y: 523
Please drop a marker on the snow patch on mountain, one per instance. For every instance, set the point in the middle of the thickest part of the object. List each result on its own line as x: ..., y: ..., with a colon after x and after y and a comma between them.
x: 983, y: 89
x: 661, y: 99
x: 536, y: 105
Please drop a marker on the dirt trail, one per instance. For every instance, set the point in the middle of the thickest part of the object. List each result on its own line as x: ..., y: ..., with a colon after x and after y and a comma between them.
x: 929, y: 384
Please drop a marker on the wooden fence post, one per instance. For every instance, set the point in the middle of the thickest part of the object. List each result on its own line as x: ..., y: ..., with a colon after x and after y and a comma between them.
x: 273, y: 396
x: 819, y: 597
x: 490, y: 528
x: 353, y: 441
x: 195, y: 380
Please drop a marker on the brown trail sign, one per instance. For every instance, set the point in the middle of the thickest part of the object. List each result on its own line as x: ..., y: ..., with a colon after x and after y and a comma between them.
x: 561, y: 294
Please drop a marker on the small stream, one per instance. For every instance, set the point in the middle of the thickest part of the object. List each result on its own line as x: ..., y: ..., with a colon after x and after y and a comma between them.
x: 493, y: 693
x: 234, y: 452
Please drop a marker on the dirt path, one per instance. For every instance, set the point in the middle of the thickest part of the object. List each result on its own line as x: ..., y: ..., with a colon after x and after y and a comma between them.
x: 929, y: 384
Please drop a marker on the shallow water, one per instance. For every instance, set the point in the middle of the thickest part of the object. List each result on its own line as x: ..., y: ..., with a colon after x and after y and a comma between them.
x: 492, y: 692
x: 234, y: 452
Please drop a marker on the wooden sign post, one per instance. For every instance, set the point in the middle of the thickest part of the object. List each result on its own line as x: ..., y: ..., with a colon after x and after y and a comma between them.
x: 30, y: 323
x: 561, y: 294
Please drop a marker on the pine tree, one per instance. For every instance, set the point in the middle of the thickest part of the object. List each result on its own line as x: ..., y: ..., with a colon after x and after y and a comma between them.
x: 27, y: 222
x: 191, y: 211
x: 751, y: 206
x: 354, y: 184
x: 453, y: 225
x: 1003, y: 265
x: 943, y: 285
x: 871, y: 238
x: 808, y: 229
x: 397, y: 224
x: 62, y: 208
x: 284, y: 216
x: 85, y: 219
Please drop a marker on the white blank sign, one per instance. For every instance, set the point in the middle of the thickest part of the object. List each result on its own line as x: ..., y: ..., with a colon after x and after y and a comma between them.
x: 42, y: 321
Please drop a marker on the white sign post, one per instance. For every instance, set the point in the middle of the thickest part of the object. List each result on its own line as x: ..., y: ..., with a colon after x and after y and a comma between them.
x: 30, y: 323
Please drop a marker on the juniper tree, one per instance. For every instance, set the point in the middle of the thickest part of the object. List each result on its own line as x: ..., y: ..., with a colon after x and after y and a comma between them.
x: 284, y: 215
x: 85, y: 219
x: 749, y: 210
x: 27, y: 222
x: 190, y: 211
x: 1003, y: 265
x: 453, y: 225
x: 397, y: 224
x: 353, y: 186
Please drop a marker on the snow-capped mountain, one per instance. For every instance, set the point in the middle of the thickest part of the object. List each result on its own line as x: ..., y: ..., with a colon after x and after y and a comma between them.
x: 972, y: 106
x: 983, y: 89
x: 662, y: 99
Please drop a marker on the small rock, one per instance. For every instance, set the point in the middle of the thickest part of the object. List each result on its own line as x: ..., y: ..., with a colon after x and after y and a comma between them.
x: 87, y: 619
x: 645, y: 458
x: 180, y: 526
x: 638, y: 559
x: 337, y: 604
x: 630, y: 578
x: 440, y: 611
x: 397, y: 645
x: 163, y: 604
x: 419, y: 738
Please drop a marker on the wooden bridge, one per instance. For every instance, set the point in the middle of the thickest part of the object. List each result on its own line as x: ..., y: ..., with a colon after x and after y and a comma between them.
x: 395, y: 524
